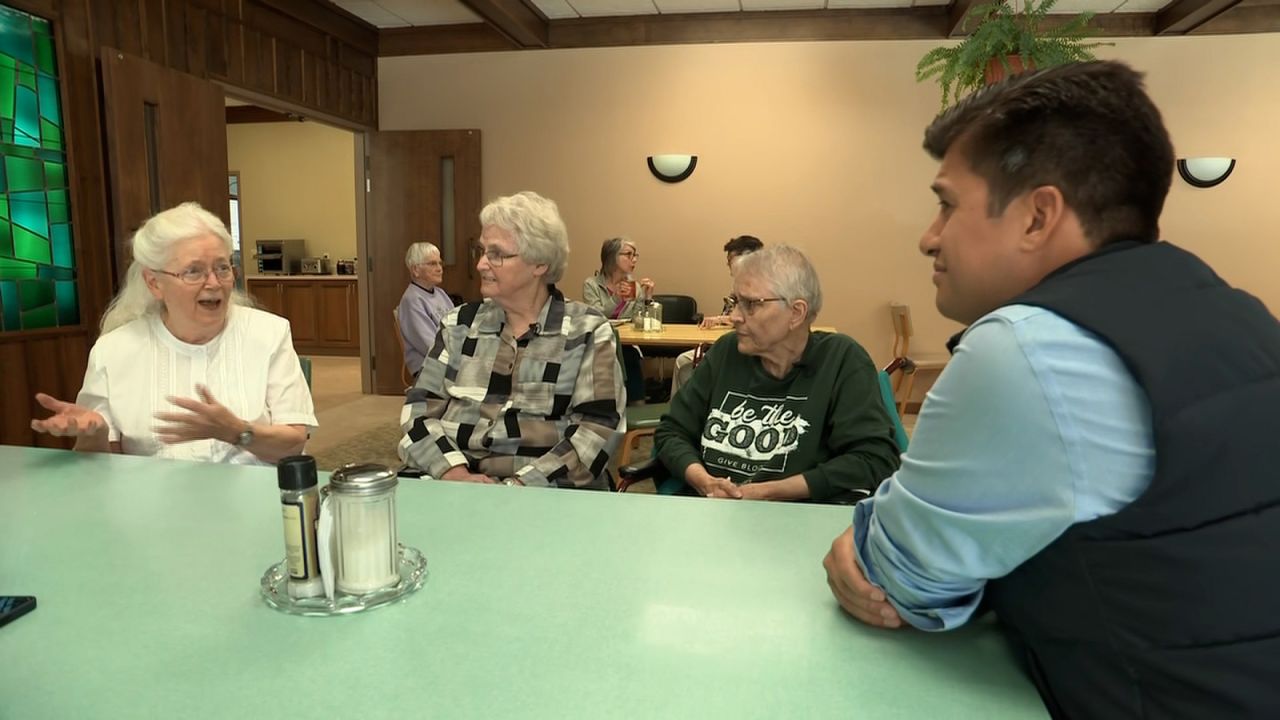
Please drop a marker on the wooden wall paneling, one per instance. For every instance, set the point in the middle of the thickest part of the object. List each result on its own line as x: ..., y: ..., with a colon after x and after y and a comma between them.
x: 195, y: 40
x: 289, y: 71
x: 215, y: 45
x: 152, y: 31
x: 86, y: 176
x: 235, y: 49
x: 44, y: 374
x: 175, y: 30
x: 19, y: 399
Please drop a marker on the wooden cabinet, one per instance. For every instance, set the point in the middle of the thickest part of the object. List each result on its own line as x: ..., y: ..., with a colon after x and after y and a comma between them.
x: 322, y: 311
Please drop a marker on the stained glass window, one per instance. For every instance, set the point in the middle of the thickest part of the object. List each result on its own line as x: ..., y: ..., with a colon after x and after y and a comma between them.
x: 38, y: 287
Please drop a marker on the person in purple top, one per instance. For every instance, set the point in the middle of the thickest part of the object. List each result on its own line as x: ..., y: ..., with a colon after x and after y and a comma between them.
x: 423, y: 304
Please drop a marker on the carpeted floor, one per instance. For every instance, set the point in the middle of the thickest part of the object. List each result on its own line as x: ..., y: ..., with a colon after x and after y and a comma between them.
x: 375, y: 445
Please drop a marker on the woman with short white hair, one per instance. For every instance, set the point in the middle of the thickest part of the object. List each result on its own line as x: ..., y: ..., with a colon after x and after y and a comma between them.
x: 423, y: 303
x: 776, y: 411
x: 185, y: 367
x: 523, y: 388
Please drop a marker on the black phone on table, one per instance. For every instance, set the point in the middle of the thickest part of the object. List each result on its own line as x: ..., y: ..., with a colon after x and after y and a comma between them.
x: 13, y: 607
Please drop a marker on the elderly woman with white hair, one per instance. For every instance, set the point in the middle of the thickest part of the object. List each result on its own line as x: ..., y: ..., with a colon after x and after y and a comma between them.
x: 776, y: 411
x: 185, y: 367
x: 523, y: 388
x: 423, y: 304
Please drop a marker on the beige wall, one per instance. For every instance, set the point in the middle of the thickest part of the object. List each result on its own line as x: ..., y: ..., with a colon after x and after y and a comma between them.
x: 813, y: 144
x: 297, y: 180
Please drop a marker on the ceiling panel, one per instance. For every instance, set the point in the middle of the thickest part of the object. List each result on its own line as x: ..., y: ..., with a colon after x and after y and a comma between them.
x: 430, y: 12
x: 556, y: 9
x: 599, y: 8
x: 1106, y: 6
x: 783, y: 4
x: 671, y: 7
x: 372, y: 13
x: 864, y: 4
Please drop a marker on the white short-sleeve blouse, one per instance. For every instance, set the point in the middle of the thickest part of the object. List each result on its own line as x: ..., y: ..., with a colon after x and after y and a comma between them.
x: 250, y: 367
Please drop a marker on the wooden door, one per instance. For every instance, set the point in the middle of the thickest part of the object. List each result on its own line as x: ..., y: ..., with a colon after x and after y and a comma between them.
x: 338, y: 322
x: 166, y: 138
x: 423, y: 185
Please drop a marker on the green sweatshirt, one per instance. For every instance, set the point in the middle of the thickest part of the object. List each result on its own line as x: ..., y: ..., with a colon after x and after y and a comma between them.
x: 825, y: 419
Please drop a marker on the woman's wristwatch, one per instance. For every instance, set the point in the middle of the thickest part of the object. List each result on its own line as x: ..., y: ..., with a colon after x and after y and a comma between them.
x: 245, y: 438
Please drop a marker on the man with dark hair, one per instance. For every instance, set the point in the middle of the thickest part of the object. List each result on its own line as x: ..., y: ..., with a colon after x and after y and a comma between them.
x: 733, y: 250
x: 741, y: 245
x: 1095, y: 462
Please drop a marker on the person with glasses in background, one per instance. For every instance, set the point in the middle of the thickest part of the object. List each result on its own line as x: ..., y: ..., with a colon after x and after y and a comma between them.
x: 185, y: 367
x: 685, y: 361
x: 523, y: 388
x: 776, y: 411
x: 423, y: 303
x: 614, y: 292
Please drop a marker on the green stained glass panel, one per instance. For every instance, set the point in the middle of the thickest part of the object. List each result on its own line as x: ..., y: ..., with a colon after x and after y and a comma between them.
x: 54, y: 175
x: 29, y: 246
x: 64, y: 254
x: 15, y: 269
x: 29, y: 209
x: 47, y: 94
x: 50, y: 135
x: 15, y: 35
x: 33, y: 294
x: 38, y: 283
x: 26, y: 118
x: 45, y: 57
x: 9, y: 303
x: 7, y: 88
x: 68, y: 307
x: 42, y: 317
x: 58, y: 211
x: 23, y: 174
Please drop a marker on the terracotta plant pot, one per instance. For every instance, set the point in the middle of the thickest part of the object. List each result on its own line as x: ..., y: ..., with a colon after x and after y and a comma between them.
x: 995, y: 69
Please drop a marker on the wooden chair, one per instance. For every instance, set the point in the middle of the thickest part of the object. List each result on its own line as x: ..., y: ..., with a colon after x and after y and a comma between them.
x: 900, y: 313
x: 406, y: 377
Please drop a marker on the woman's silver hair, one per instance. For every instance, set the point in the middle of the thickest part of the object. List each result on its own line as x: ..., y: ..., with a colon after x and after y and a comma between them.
x: 541, y: 237
x: 152, y: 247
x: 788, y: 272
x: 609, y: 251
x: 419, y: 253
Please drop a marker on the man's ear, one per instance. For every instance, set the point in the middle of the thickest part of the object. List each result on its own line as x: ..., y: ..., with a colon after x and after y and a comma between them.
x: 799, y: 311
x: 1044, y: 207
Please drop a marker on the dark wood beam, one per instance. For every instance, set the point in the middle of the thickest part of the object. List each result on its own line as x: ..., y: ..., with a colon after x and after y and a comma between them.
x: 1247, y: 17
x: 242, y: 114
x: 1183, y: 16
x: 441, y: 39
x: 781, y: 25
x: 516, y: 20
x: 1108, y: 25
x: 330, y: 19
x: 956, y: 13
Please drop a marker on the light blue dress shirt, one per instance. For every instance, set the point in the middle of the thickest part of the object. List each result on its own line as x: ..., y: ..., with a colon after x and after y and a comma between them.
x: 1034, y: 425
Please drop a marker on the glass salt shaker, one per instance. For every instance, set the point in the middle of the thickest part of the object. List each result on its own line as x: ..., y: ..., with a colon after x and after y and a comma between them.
x: 366, y: 551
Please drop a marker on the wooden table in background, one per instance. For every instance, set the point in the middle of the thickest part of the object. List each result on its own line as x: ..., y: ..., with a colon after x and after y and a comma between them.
x: 673, y: 335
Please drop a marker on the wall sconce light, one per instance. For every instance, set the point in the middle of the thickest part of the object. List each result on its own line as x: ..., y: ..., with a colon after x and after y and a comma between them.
x: 1205, y: 172
x: 672, y: 168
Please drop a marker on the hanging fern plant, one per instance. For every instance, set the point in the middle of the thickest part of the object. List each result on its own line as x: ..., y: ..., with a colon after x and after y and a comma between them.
x: 1005, y: 29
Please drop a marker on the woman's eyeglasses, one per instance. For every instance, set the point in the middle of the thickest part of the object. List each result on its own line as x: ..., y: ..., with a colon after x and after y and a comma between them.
x: 630, y: 253
x: 749, y: 306
x: 494, y: 255
x: 196, y: 274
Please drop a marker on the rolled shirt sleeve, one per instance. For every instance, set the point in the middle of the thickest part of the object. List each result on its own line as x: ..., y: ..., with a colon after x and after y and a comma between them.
x: 1034, y: 425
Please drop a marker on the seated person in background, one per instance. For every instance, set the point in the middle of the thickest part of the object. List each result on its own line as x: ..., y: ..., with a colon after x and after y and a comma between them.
x: 523, y: 388
x: 1097, y: 461
x: 184, y: 367
x: 734, y: 249
x: 775, y: 411
x: 423, y: 303
x: 613, y: 292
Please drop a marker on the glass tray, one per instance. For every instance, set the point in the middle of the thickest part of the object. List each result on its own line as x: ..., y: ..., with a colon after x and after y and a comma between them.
x: 275, y: 589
